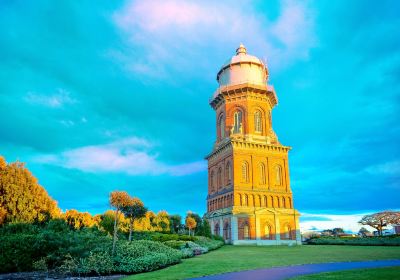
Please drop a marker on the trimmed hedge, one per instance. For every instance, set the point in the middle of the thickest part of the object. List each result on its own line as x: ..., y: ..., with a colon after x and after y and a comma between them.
x: 357, y: 241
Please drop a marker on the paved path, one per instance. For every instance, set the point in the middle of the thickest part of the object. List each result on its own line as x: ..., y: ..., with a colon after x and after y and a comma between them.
x: 285, y: 272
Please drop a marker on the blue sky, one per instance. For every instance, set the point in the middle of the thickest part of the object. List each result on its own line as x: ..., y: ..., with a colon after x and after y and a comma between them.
x: 114, y: 95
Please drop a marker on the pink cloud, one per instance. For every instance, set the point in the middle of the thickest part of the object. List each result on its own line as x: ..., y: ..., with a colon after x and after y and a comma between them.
x: 173, y: 34
x: 129, y: 156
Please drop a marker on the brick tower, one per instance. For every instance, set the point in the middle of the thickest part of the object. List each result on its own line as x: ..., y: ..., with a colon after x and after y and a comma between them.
x: 249, y: 197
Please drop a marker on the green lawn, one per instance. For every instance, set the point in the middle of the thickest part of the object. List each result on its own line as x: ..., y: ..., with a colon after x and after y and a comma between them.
x: 236, y: 258
x: 359, y: 274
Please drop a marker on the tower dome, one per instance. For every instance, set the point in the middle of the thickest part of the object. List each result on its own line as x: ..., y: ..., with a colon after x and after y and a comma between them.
x: 242, y: 68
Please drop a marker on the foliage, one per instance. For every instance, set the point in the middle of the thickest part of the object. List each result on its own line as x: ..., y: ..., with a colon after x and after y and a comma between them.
x: 190, y: 223
x: 161, y: 221
x: 175, y: 222
x: 144, y: 255
x: 22, y: 199
x: 135, y: 210
x: 210, y: 244
x: 364, y: 232
x: 78, y: 220
x: 118, y: 200
x: 381, y: 220
x: 364, y: 241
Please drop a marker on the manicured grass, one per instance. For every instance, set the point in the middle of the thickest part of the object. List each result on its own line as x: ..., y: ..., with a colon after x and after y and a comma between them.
x: 360, y: 274
x: 236, y: 258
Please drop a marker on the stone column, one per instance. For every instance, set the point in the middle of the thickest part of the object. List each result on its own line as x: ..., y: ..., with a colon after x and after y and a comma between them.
x: 277, y: 230
x: 234, y: 228
x: 221, y: 227
x: 258, y: 228
x: 298, y: 234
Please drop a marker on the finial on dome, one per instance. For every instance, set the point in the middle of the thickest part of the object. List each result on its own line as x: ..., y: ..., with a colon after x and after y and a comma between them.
x: 241, y: 49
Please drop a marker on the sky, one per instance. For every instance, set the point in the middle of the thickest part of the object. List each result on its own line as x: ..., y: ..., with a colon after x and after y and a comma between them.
x: 113, y: 95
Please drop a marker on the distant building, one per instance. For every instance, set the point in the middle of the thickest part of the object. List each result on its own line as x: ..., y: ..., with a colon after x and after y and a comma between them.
x: 396, y: 229
x: 249, y: 196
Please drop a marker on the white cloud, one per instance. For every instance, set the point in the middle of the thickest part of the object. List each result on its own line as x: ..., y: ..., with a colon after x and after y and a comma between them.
x: 326, y: 221
x: 176, y: 34
x: 130, y: 156
x: 55, y: 100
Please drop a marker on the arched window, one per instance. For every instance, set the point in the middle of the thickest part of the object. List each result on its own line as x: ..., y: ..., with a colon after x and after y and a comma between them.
x: 246, y: 231
x: 245, y: 171
x: 219, y: 178
x: 287, y: 232
x: 212, y: 181
x: 283, y: 202
x: 216, y: 229
x: 278, y: 175
x: 265, y: 201
x: 267, y: 231
x: 272, y: 202
x: 289, y: 202
x: 227, y: 231
x: 257, y: 121
x: 261, y: 168
x: 237, y: 122
x: 241, y: 199
x: 278, y: 203
x: 221, y: 127
x: 246, y: 200
x: 228, y: 172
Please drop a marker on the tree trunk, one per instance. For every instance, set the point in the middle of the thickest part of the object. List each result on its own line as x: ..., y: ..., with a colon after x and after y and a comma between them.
x: 130, y: 230
x: 189, y: 232
x: 115, y: 231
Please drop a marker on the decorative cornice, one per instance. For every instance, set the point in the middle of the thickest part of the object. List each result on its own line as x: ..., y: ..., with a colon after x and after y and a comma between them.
x: 226, y: 92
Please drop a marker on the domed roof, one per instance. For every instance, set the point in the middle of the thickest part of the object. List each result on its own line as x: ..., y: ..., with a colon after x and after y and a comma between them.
x: 241, y: 57
x: 232, y: 72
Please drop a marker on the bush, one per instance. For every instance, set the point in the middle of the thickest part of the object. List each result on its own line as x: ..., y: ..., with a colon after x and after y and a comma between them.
x: 97, y: 262
x: 359, y: 241
x: 210, y: 244
x: 144, y: 255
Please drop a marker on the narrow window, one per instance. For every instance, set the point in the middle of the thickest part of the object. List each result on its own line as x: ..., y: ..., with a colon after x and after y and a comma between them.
x: 219, y: 178
x: 212, y: 181
x: 261, y: 168
x: 257, y: 121
x: 245, y: 171
x: 221, y: 125
x: 278, y: 175
x: 237, y: 122
x: 228, y: 172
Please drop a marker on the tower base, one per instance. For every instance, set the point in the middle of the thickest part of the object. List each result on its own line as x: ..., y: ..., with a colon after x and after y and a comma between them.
x: 256, y: 226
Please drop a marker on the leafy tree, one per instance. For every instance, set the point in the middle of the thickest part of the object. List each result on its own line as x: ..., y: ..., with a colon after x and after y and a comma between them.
x: 363, y: 232
x: 107, y: 220
x: 162, y: 221
x: 118, y: 200
x: 337, y: 231
x: 381, y: 220
x: 175, y: 222
x: 135, y: 210
x: 199, y: 222
x: 78, y: 220
x: 190, y: 223
x: 206, y: 228
x: 22, y: 199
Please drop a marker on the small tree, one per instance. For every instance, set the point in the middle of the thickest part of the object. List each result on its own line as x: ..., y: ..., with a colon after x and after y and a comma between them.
x: 162, y: 221
x: 135, y: 210
x: 337, y: 231
x: 175, y: 223
x: 381, y: 220
x: 190, y: 223
x: 364, y: 232
x: 118, y: 200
